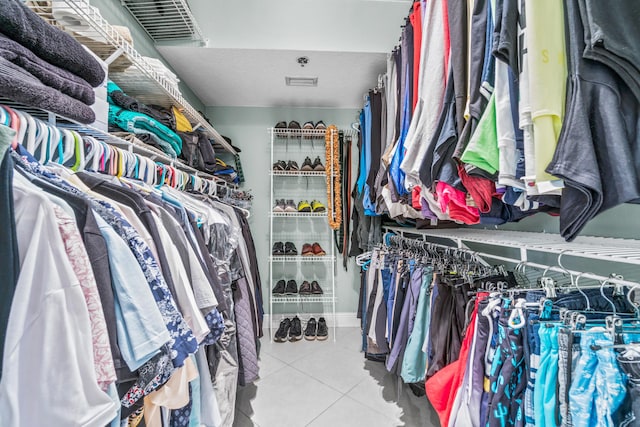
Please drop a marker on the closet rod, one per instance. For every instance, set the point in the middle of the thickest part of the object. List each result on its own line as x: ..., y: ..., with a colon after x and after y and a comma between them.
x: 557, y: 269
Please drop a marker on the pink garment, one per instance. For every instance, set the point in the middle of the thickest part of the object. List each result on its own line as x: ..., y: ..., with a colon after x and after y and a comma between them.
x: 454, y: 202
x: 74, y: 247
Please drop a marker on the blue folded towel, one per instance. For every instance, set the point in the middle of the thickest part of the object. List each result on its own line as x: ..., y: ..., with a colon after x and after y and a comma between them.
x: 134, y: 122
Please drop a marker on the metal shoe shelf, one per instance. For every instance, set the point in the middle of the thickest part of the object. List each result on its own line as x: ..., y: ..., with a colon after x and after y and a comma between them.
x: 301, y: 258
x: 141, y: 80
x: 296, y: 226
x: 297, y: 214
x: 299, y: 173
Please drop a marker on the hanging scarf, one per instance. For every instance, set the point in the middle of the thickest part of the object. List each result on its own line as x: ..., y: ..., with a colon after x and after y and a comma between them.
x: 334, y: 205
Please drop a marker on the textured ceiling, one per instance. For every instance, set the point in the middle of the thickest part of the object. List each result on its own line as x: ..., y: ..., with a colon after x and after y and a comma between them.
x: 243, y: 77
x: 253, y: 45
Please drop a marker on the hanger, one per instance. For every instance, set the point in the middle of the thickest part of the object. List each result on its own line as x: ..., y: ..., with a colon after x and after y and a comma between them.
x: 13, y: 123
x: 23, y: 127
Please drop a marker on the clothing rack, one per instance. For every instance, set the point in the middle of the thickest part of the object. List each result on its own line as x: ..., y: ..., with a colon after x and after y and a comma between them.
x: 127, y: 154
x: 609, y: 249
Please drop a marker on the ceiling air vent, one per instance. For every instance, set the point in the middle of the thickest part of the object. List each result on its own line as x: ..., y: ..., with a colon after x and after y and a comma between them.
x: 302, y: 81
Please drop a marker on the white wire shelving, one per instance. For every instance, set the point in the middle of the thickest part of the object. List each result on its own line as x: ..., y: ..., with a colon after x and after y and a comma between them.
x: 300, y: 230
x: 298, y: 214
x: 141, y: 80
x: 607, y: 249
x: 299, y: 173
x: 301, y: 258
x: 302, y: 299
x: 303, y: 134
x: 165, y: 20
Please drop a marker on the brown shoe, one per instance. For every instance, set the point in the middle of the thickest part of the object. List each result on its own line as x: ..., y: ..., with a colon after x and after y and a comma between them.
x: 315, y: 288
x: 305, y: 288
x: 317, y: 249
x: 307, y: 250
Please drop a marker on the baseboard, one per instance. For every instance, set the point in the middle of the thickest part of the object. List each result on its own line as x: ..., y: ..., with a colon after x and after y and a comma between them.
x: 342, y: 320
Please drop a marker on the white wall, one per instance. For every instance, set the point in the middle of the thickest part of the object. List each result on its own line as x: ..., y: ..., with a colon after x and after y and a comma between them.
x: 247, y: 127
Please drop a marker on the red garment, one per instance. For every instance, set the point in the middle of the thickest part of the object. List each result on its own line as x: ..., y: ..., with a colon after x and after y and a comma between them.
x: 454, y: 202
x: 442, y: 387
x: 447, y: 39
x: 481, y: 189
x: 416, y: 201
x: 416, y: 20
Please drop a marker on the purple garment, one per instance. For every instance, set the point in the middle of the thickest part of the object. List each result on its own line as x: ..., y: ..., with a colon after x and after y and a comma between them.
x: 394, y: 362
x: 426, y: 212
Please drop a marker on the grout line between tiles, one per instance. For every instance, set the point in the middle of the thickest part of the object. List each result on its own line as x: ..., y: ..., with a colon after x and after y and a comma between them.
x: 326, y: 409
x: 317, y: 379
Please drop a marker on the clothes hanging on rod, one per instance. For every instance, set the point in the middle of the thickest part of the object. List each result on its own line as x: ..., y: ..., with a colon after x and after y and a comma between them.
x: 487, y: 139
x: 145, y: 289
x: 492, y: 347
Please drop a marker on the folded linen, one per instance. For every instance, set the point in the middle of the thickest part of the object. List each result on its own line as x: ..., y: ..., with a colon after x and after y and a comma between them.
x: 52, y: 76
x: 135, y: 122
x: 51, y: 44
x: 121, y: 99
x: 19, y: 85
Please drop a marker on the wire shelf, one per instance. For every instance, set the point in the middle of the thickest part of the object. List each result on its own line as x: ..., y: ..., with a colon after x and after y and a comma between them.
x: 600, y: 248
x: 301, y: 258
x: 141, y: 79
x: 302, y: 298
x: 298, y: 214
x: 299, y: 173
x: 165, y: 20
x: 309, y: 134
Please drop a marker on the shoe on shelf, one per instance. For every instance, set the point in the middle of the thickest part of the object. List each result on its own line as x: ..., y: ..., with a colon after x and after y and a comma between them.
x: 293, y: 125
x: 291, y: 288
x: 308, y: 125
x: 295, y: 332
x: 311, y: 330
x: 323, y: 331
x: 290, y: 249
x: 280, y: 127
x: 290, y: 207
x: 307, y: 250
x: 280, y: 205
x: 317, y: 165
x: 292, y: 166
x: 317, y: 249
x: 305, y: 288
x: 283, y: 331
x: 315, y: 288
x: 306, y: 165
x: 316, y: 206
x: 320, y: 125
x: 280, y: 165
x: 278, y: 249
x: 304, y: 206
x: 279, y: 288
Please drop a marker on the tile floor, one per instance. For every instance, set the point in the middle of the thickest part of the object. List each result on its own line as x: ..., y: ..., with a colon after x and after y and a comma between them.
x: 318, y: 384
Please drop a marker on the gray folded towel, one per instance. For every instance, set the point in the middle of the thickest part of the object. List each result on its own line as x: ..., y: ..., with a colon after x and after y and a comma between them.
x: 55, y: 77
x: 21, y: 86
x: 23, y: 25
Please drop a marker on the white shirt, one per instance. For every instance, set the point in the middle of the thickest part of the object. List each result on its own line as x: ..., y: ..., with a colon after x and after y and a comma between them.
x: 48, y: 377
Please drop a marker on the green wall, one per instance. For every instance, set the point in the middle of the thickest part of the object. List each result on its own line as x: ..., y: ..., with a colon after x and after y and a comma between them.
x: 247, y: 127
x: 114, y: 13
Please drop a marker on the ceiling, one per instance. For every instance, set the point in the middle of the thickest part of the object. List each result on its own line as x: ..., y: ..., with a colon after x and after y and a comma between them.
x: 254, y: 44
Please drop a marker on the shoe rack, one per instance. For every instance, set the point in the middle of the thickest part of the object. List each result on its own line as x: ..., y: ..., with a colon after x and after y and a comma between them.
x: 300, y: 227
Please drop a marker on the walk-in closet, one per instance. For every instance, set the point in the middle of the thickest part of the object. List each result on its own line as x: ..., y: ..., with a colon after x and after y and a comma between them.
x: 294, y: 213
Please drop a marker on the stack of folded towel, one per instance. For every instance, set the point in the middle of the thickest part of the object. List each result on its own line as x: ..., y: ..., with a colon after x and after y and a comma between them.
x: 153, y: 125
x: 44, y: 67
